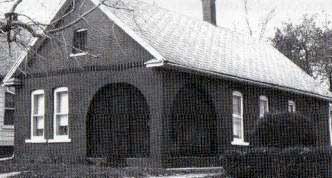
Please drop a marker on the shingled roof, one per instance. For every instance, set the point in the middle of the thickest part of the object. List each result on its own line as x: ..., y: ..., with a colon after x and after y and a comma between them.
x: 183, y: 42
x: 197, y: 45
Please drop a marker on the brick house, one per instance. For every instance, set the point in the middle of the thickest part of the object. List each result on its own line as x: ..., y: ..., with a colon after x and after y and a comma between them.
x: 144, y: 86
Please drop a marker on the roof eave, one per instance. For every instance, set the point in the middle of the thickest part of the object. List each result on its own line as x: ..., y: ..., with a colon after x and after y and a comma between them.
x: 172, y: 65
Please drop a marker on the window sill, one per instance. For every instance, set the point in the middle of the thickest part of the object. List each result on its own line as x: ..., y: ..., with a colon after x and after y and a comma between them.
x: 36, y: 141
x: 240, y: 143
x: 58, y: 140
x: 8, y: 127
x: 78, y: 54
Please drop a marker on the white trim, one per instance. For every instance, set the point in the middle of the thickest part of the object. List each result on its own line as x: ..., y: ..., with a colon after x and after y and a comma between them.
x: 291, y: 103
x: 236, y: 140
x: 78, y: 54
x: 8, y: 127
x: 36, y: 138
x: 81, y: 30
x: 266, y: 99
x: 36, y: 141
x: 9, y: 108
x: 240, y: 142
x: 237, y: 93
x: 7, y: 159
x: 154, y: 63
x: 59, y: 138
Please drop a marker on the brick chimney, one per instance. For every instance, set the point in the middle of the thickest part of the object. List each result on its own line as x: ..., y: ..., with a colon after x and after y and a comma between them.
x: 209, y: 11
x: 328, y: 38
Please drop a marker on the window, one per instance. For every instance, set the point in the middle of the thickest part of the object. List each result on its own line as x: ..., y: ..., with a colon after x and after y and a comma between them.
x: 80, y: 41
x: 9, y: 108
x: 263, y: 106
x: 37, y: 115
x: 9, y: 117
x: 61, y: 110
x: 291, y: 106
x: 238, y: 128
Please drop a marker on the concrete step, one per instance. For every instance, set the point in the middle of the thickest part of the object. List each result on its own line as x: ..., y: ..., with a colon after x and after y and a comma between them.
x: 197, y: 170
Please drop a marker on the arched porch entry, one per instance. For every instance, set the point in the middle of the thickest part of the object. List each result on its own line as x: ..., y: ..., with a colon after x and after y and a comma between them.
x: 194, y: 123
x: 118, y: 123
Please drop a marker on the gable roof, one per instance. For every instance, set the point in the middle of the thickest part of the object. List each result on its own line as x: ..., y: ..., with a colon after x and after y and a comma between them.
x: 183, y: 42
x: 197, y: 45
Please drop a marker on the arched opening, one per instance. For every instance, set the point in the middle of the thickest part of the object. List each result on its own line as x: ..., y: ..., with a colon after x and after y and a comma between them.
x: 118, y: 123
x: 194, y: 123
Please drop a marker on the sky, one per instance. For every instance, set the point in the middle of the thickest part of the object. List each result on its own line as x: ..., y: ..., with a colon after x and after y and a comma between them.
x: 230, y: 13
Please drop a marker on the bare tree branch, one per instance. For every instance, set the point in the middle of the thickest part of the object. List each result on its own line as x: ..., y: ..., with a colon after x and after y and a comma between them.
x: 266, y: 21
x: 245, y: 3
x: 12, y: 10
x: 77, y: 20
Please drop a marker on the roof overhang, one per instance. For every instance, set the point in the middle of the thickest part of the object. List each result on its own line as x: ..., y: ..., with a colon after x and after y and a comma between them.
x: 166, y: 64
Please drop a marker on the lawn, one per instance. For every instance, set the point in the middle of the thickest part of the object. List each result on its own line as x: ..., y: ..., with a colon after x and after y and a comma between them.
x: 85, y: 170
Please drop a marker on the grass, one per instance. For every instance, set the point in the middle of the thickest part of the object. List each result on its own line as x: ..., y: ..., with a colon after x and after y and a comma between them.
x: 79, y: 170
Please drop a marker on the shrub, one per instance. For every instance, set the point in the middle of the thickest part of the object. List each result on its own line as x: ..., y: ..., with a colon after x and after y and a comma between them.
x: 283, y: 130
x: 250, y: 163
x: 304, y: 162
x: 283, y: 145
x: 299, y: 162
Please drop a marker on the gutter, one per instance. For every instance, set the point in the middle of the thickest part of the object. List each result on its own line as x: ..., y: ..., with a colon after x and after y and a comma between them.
x: 171, y: 65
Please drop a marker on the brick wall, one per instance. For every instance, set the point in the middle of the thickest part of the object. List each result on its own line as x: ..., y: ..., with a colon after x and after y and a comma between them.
x: 220, y: 92
x: 116, y: 58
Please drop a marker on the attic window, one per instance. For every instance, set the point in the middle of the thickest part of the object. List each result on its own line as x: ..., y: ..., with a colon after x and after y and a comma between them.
x: 80, y: 41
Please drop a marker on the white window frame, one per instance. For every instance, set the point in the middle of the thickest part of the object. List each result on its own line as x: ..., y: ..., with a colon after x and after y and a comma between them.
x: 237, y: 141
x: 59, y: 138
x: 291, y: 103
x: 263, y: 98
x: 330, y: 122
x: 36, y: 139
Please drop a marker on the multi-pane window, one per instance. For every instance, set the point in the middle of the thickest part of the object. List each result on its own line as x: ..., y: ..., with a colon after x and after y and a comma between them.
x: 80, y: 41
x: 9, y: 108
x: 238, y: 134
x: 263, y: 106
x: 291, y: 106
x: 37, y: 114
x: 61, y: 109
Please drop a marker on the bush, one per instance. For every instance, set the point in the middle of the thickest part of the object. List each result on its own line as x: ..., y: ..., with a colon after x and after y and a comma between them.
x: 283, y: 145
x: 250, y: 163
x: 283, y: 130
x: 299, y: 162
x: 306, y: 162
